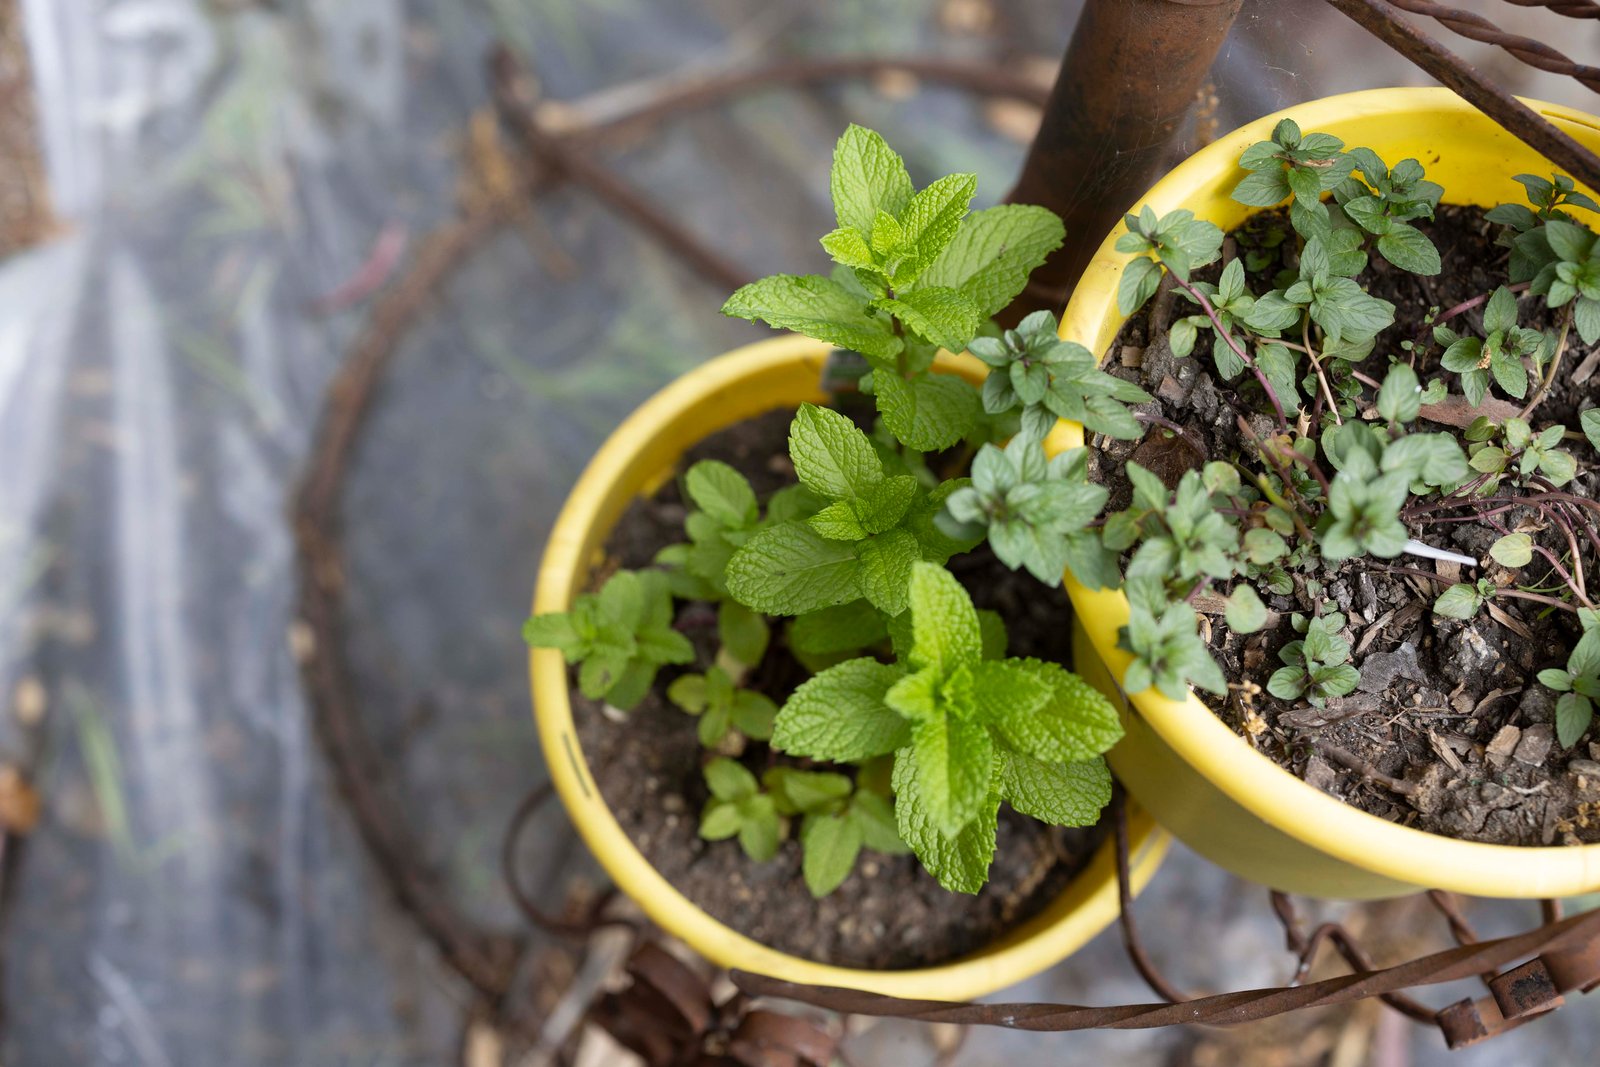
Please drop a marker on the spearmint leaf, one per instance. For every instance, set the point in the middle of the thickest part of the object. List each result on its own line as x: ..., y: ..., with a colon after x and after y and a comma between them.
x: 1586, y: 319
x: 1140, y: 280
x: 1346, y: 312
x: 848, y: 246
x: 839, y: 715
x: 885, y: 504
x: 940, y: 314
x: 844, y: 628
x: 1569, y: 241
x: 1590, y: 421
x: 929, y: 413
x: 1500, y: 313
x: 1245, y: 613
x: 1061, y: 794
x: 555, y: 630
x: 1264, y: 188
x: 761, y: 833
x: 830, y: 845
x: 730, y: 780
x: 1409, y: 249
x: 960, y: 863
x: 992, y: 254
x: 1400, y: 397
x: 743, y: 633
x: 1460, y: 601
x: 790, y: 569
x: 831, y: 456
x: 1005, y: 689
x: 886, y: 562
x: 838, y: 522
x: 944, y: 624
x: 1512, y: 550
x: 723, y: 493
x: 1574, y: 713
x: 931, y: 220
x: 878, y: 829
x: 720, y: 821
x: 868, y: 177
x: 955, y: 761
x: 817, y: 307
x: 1076, y: 723
x: 1435, y: 458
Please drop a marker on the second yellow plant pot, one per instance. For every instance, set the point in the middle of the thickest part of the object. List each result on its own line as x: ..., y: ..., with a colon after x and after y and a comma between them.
x: 1208, y: 786
x: 637, y: 459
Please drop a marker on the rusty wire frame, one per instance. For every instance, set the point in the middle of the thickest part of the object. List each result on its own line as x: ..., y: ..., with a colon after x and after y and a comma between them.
x: 1565, y: 953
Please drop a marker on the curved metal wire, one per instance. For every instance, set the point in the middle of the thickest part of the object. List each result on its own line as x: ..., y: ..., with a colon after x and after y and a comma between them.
x: 1534, y: 53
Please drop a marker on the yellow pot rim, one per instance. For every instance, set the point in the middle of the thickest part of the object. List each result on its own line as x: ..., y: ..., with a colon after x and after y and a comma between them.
x: 1086, y: 906
x: 1192, y: 730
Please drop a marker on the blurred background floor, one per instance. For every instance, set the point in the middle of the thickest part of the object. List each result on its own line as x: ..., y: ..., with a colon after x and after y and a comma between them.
x: 227, y: 183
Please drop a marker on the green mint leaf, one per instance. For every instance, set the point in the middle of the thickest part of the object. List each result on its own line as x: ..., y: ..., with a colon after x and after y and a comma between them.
x: 884, y: 505
x: 1574, y: 714
x: 938, y: 545
x: 753, y: 714
x: 1400, y: 397
x: 1590, y: 421
x: 1434, y: 458
x: 807, y: 792
x: 955, y: 762
x: 1586, y: 319
x: 1005, y: 690
x: 730, y: 780
x: 930, y: 222
x: 878, y: 829
x: 1346, y: 312
x: 743, y: 633
x: 1140, y: 280
x: 1061, y: 794
x: 840, y: 715
x: 831, y: 456
x: 1264, y: 188
x: 817, y: 307
x: 1075, y: 723
x: 940, y: 314
x: 1409, y: 249
x: 790, y: 569
x: 960, y: 863
x: 929, y: 413
x: 944, y: 624
x: 1245, y: 613
x: 555, y: 630
x: 1568, y: 240
x: 848, y: 247
x: 838, y: 522
x: 887, y: 236
x: 868, y: 177
x: 723, y: 493
x: 845, y: 628
x: 992, y: 254
x: 1512, y: 550
x: 1460, y: 601
x: 1500, y: 313
x: 830, y: 845
x: 886, y: 562
x: 762, y: 831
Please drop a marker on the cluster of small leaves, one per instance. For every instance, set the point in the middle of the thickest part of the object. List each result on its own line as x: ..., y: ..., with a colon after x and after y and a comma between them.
x: 1578, y: 684
x: 1185, y: 543
x: 1552, y: 251
x: 1500, y: 353
x: 1317, y: 667
x: 1512, y: 449
x: 620, y: 637
x: 725, y: 710
x: 966, y: 730
x: 861, y: 543
x: 1051, y: 379
x: 838, y: 817
x: 1034, y: 511
x: 915, y: 272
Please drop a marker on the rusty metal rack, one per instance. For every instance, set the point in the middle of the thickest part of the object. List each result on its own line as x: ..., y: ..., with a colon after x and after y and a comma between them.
x: 1104, y: 127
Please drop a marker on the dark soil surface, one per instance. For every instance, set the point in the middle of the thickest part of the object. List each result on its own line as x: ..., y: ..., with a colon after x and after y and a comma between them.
x: 889, y: 914
x: 1449, y: 730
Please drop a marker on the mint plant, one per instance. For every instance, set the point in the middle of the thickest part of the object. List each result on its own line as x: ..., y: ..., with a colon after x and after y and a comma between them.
x: 966, y: 733
x: 740, y: 808
x: 1317, y: 667
x: 1578, y: 684
x: 723, y: 709
x: 619, y: 637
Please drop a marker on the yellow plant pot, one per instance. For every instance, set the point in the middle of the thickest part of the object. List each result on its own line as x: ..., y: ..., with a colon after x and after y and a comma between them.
x: 1199, y: 779
x: 637, y: 459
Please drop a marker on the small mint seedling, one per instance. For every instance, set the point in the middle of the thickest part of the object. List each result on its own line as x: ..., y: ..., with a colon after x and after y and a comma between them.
x: 1579, y: 684
x: 738, y: 808
x: 1177, y: 242
x: 1318, y: 667
x: 1035, y: 512
x: 1500, y: 354
x: 1292, y: 164
x: 621, y: 636
x: 722, y: 708
x: 838, y: 819
x: 1051, y: 379
x: 1386, y: 209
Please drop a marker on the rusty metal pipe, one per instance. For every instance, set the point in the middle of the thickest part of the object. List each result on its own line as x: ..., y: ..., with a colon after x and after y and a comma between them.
x: 1131, y: 72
